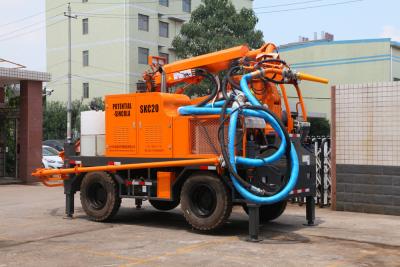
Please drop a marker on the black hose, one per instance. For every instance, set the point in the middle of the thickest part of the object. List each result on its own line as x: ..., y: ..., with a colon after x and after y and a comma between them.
x: 230, y: 79
x: 224, y: 150
x: 209, y: 76
x: 223, y: 88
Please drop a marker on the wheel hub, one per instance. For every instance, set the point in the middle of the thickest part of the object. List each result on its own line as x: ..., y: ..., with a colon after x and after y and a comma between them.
x: 97, y: 196
x: 203, y: 200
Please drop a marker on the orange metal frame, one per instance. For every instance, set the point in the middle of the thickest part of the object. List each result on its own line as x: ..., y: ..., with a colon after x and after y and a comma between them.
x: 151, y: 121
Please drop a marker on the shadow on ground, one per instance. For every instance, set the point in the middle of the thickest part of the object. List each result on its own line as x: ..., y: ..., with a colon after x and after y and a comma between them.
x: 279, y: 231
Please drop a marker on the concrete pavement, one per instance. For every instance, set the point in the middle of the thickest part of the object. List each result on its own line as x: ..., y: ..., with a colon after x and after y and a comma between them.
x: 34, y: 233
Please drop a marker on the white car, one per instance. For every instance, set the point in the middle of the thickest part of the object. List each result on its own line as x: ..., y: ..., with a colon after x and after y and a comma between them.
x: 50, y: 158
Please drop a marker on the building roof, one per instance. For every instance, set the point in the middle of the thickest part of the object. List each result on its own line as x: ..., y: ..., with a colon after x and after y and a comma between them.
x: 300, y: 45
x: 12, y: 75
x: 395, y: 44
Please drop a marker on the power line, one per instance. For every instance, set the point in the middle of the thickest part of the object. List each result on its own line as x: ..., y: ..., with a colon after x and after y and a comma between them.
x: 62, y: 77
x: 27, y: 26
x: 151, y: 2
x: 98, y: 67
x: 186, y: 16
x: 25, y: 33
x: 290, y: 4
x: 101, y: 80
x: 120, y: 3
x: 310, y: 7
x: 30, y: 16
x: 56, y: 64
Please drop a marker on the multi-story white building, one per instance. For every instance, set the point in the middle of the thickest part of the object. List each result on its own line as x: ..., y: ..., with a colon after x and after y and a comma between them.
x: 111, y: 40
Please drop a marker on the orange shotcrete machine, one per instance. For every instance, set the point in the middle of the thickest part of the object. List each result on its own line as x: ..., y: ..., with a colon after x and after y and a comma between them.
x: 236, y: 142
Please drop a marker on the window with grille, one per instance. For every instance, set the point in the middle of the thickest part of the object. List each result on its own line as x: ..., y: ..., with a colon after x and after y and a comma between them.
x: 163, y: 2
x: 163, y: 29
x: 85, y: 90
x: 85, y: 26
x: 164, y: 55
x: 143, y: 22
x: 85, y: 58
x: 143, y: 55
x: 186, y: 5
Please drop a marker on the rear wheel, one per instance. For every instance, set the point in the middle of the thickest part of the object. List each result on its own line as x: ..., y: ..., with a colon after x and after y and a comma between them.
x: 164, y: 205
x: 205, y: 201
x: 270, y: 212
x: 99, y: 196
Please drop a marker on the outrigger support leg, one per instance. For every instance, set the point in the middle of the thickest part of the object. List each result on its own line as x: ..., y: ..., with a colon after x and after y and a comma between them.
x: 254, y: 222
x: 138, y: 203
x: 69, y: 199
x: 310, y: 211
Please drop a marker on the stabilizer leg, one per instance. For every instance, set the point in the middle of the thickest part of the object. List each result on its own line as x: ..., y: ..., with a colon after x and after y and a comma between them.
x: 69, y: 205
x: 254, y: 222
x: 138, y: 203
x: 69, y: 199
x: 310, y: 211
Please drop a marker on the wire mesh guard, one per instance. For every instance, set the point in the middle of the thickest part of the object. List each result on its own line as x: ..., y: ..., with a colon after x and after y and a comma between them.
x: 204, y: 136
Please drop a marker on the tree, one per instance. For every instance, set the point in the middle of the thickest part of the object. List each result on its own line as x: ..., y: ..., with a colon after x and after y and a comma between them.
x: 319, y: 127
x: 216, y: 25
x: 55, y: 118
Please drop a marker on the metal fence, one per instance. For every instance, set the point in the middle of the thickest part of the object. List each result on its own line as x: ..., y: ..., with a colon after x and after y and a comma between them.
x: 323, y: 166
x: 322, y: 151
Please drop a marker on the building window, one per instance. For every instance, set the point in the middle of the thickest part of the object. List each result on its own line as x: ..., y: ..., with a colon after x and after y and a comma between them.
x: 143, y: 23
x: 143, y: 55
x: 164, y: 55
x: 85, y: 26
x: 163, y: 2
x: 163, y: 29
x: 187, y: 5
x: 85, y: 90
x: 84, y: 1
x: 396, y: 79
x: 85, y: 58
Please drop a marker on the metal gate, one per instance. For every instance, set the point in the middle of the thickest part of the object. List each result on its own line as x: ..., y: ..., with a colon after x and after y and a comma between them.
x: 323, y: 165
x: 8, y: 147
x: 322, y: 151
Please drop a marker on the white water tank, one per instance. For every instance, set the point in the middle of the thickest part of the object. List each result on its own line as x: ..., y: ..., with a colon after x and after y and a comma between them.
x: 92, y: 133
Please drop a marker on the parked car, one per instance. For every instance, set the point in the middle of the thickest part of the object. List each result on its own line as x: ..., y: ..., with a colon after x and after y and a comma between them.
x: 50, y: 158
x: 57, y: 144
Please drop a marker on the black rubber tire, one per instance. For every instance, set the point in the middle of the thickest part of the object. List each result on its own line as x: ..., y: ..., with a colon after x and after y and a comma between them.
x: 214, y: 192
x: 270, y: 212
x: 99, y: 196
x: 164, y: 205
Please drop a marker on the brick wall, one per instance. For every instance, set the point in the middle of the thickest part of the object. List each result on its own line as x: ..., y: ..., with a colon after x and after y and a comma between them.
x: 372, y: 189
x: 366, y: 147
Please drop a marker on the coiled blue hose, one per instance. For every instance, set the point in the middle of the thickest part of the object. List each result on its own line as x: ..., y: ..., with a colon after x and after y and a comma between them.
x: 210, y: 109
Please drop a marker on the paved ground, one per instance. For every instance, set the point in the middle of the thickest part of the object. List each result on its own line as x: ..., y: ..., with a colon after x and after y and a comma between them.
x: 34, y: 233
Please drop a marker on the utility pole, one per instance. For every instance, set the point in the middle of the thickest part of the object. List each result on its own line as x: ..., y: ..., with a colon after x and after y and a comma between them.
x: 69, y: 109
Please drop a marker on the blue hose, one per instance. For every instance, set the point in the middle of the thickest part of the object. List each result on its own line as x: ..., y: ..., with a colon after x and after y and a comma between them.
x: 215, y: 108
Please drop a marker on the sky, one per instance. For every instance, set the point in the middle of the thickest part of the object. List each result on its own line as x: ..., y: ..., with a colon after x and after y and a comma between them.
x: 282, y: 21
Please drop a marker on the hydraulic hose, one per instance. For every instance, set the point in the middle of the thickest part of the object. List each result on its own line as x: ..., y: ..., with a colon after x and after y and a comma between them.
x: 248, y: 191
x: 214, y: 92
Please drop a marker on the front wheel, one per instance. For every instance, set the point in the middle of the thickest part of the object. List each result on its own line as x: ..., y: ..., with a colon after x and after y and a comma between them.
x: 206, y: 201
x: 99, y: 196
